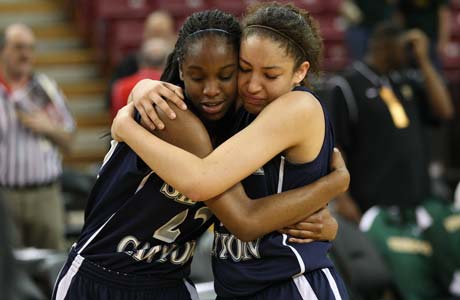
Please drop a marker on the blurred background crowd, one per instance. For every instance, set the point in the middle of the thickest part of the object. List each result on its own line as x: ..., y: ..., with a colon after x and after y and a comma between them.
x: 67, y: 66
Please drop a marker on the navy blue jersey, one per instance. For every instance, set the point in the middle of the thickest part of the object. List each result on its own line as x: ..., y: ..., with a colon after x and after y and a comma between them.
x: 244, y: 268
x: 135, y: 223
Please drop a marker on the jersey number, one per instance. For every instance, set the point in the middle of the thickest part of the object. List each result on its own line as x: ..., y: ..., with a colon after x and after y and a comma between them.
x: 168, y: 232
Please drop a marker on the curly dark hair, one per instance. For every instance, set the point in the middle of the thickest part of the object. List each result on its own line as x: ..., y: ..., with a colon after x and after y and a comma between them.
x: 209, y: 19
x: 299, y: 31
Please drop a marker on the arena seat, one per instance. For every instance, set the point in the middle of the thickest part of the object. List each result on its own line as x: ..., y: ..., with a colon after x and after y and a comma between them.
x: 455, y: 24
x: 455, y: 4
x: 111, y: 9
x: 84, y: 14
x: 319, y: 7
x: 181, y: 8
x: 336, y: 57
x: 179, y: 21
x: 451, y: 58
x: 124, y: 36
x: 332, y: 28
x: 233, y: 7
x: 106, y: 12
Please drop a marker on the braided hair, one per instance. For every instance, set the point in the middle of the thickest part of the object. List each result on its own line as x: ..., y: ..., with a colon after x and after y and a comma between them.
x: 195, y: 28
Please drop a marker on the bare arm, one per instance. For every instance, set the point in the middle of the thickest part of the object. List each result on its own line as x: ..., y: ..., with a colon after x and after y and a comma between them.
x: 321, y: 226
x: 438, y: 95
x: 245, y: 218
x: 346, y: 205
x: 281, y: 125
x: 249, y: 219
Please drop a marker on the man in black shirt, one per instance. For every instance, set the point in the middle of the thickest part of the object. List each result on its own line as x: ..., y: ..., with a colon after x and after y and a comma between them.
x: 379, y: 110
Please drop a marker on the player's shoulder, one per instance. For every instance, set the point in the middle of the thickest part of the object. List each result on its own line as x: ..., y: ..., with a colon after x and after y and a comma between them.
x: 186, y: 122
x: 299, y: 103
x: 185, y: 131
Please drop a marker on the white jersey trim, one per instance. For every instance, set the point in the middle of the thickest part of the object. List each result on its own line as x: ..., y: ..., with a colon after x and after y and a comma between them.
x: 113, y: 146
x: 64, y: 284
x: 297, y: 255
x: 281, y: 175
x: 304, y: 288
x: 332, y: 283
x: 192, y: 290
x: 144, y: 180
x: 279, y: 190
x: 95, y: 234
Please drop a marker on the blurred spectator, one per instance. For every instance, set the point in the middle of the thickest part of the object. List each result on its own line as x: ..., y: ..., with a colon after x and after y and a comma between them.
x: 433, y: 18
x: 159, y: 24
x: 379, y: 110
x: 34, y: 125
x: 362, y: 16
x: 152, y: 59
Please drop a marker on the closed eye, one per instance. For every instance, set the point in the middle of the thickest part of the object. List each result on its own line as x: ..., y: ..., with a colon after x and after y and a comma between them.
x: 271, y: 77
x: 226, y: 77
x: 244, y: 70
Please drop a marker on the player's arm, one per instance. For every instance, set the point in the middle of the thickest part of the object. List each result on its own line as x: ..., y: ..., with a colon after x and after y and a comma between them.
x: 245, y: 218
x: 281, y: 125
x: 249, y: 219
x: 319, y: 226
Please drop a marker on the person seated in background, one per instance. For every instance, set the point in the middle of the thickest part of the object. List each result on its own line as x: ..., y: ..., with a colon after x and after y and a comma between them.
x: 159, y: 24
x: 35, y: 125
x: 152, y: 59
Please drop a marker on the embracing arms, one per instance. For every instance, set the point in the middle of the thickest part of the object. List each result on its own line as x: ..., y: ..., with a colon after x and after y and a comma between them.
x: 245, y: 218
x: 280, y: 126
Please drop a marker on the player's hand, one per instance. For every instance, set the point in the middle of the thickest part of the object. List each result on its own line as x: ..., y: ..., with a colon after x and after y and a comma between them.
x: 419, y: 42
x: 37, y: 121
x: 338, y: 165
x: 148, y: 93
x: 320, y: 226
x: 124, y: 115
